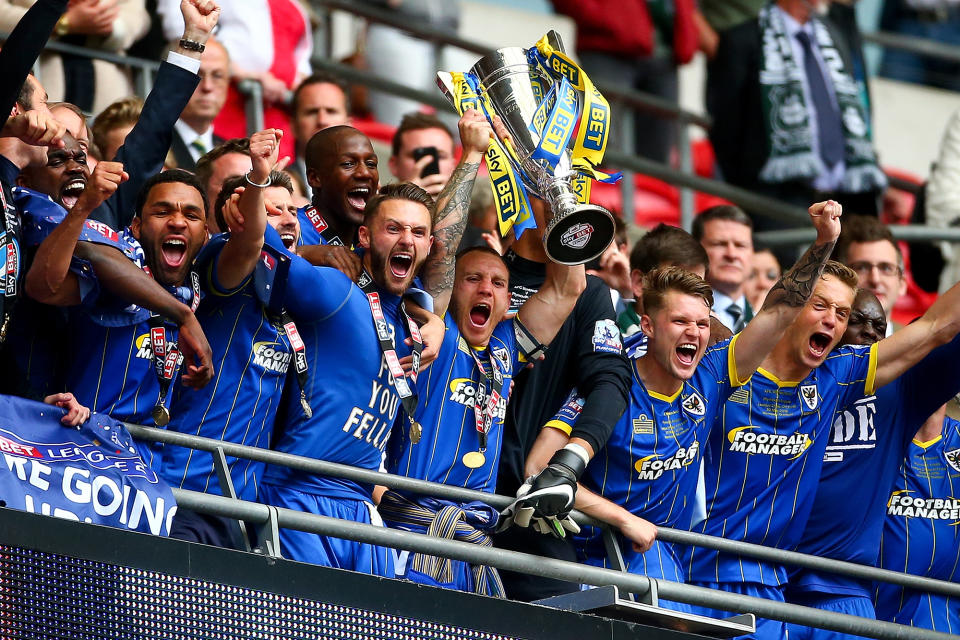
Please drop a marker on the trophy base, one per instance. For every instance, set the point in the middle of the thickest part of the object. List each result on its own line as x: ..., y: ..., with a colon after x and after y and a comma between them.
x: 581, y: 236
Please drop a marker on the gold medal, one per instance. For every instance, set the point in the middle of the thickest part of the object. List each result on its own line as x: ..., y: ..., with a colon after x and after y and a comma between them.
x: 474, y: 459
x: 415, y: 432
x: 160, y: 415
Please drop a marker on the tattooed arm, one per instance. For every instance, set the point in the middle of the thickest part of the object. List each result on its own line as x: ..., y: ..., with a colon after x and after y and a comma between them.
x: 788, y: 296
x: 453, y: 204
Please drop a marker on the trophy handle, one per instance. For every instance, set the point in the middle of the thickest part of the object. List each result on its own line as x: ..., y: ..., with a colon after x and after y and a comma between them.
x: 555, y: 41
x: 445, y: 82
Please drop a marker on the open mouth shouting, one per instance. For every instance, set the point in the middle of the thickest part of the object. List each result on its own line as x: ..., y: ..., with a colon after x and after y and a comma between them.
x: 70, y: 192
x: 358, y: 196
x: 401, y: 264
x: 819, y: 343
x: 174, y: 252
x: 686, y: 353
x: 289, y: 239
x: 480, y: 314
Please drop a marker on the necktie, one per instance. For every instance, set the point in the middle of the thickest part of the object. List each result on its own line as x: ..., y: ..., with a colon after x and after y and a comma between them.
x: 736, y: 314
x: 829, y: 126
x: 199, y: 146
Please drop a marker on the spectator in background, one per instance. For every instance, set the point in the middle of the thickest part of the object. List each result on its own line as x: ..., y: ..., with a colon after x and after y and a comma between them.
x: 936, y: 20
x: 639, y: 46
x: 726, y: 233
x: 114, y: 123
x: 193, y: 133
x: 232, y: 158
x: 423, y: 152
x: 812, y: 141
x: 716, y: 16
x: 109, y: 25
x: 320, y: 101
x: 943, y: 198
x: 269, y: 41
x: 867, y: 246
x: 395, y: 54
x: 764, y: 273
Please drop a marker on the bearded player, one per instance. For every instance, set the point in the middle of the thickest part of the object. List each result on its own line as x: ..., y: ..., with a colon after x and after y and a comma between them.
x: 352, y: 337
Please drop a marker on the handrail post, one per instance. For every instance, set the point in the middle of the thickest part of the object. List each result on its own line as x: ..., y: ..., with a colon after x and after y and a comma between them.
x: 628, y: 185
x: 687, y: 203
x: 142, y: 81
x: 252, y: 91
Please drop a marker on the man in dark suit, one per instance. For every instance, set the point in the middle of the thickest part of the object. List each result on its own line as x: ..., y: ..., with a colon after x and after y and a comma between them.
x: 193, y: 133
x: 790, y: 121
x: 146, y: 146
x: 726, y: 234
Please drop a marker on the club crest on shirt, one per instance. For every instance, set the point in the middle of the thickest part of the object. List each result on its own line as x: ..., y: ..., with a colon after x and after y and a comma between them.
x: 606, y: 336
x: 501, y: 354
x: 953, y: 458
x: 642, y: 425
x: 694, y: 404
x: 809, y: 395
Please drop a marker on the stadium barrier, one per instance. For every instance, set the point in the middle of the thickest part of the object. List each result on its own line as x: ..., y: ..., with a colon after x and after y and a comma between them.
x: 268, y: 519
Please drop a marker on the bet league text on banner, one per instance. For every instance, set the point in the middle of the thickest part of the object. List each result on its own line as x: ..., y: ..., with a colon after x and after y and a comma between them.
x: 90, y: 474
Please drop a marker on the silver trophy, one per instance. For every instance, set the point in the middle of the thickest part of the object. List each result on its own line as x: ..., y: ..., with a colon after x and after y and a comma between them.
x: 577, y: 233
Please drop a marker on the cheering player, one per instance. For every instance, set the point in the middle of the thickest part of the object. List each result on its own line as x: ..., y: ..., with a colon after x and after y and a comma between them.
x: 243, y: 313
x: 766, y: 452
x: 649, y: 469
x: 458, y: 425
x: 123, y: 358
x: 352, y: 336
x: 868, y: 439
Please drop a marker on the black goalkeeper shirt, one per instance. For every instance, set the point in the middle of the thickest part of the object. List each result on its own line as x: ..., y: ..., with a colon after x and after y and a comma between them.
x: 573, y: 360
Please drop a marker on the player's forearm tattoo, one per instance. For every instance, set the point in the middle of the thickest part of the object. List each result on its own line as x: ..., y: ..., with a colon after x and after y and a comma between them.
x: 796, y: 286
x: 453, y: 205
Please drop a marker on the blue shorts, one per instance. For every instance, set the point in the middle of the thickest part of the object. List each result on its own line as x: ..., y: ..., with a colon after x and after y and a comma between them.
x: 916, y: 609
x: 659, y: 561
x: 325, y: 550
x: 766, y: 629
x: 860, y: 606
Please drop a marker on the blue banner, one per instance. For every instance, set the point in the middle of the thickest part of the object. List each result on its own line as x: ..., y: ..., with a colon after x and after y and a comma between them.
x: 91, y: 474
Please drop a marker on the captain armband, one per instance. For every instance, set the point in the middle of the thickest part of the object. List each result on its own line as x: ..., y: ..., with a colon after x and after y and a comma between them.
x: 530, y: 348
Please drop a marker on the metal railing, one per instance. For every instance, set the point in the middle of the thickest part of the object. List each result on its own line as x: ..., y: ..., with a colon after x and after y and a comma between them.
x: 270, y: 518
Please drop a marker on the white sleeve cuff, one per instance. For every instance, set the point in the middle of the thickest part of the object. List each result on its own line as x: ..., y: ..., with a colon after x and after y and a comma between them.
x: 184, y: 62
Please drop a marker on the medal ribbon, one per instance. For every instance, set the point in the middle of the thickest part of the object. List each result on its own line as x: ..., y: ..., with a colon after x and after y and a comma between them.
x: 167, y: 358
x: 387, y: 346
x: 10, y: 273
x: 299, y: 358
x: 487, y: 396
x: 321, y: 226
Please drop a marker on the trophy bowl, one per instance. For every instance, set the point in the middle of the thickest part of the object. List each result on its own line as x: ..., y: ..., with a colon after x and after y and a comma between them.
x: 576, y: 233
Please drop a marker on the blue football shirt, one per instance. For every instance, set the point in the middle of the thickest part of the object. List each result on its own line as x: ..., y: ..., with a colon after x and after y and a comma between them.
x: 650, y: 465
x: 349, y: 385
x: 251, y: 356
x: 446, y: 412
x: 868, y: 440
x: 763, y: 462
x: 920, y: 535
